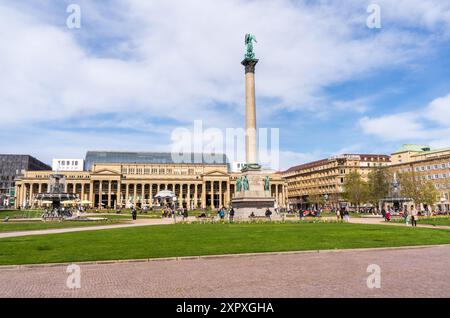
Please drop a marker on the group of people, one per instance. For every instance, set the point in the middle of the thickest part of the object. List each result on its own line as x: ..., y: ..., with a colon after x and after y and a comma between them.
x: 343, y: 215
x: 222, y: 213
x: 409, y: 215
x: 305, y: 212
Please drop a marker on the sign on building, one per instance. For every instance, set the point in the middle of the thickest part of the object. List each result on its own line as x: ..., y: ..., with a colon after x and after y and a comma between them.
x: 67, y: 164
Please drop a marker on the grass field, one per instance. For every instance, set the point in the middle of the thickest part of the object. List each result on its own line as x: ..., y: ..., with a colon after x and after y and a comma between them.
x: 20, y: 214
x: 31, y: 226
x: 208, y: 239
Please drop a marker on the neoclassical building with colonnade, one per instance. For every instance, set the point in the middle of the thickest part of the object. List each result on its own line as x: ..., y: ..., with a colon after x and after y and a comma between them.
x: 119, y: 179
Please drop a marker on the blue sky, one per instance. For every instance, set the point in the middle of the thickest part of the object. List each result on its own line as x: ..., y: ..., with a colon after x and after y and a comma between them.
x: 137, y: 70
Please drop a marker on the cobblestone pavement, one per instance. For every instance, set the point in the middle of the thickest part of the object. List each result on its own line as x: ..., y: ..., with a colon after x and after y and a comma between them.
x: 419, y: 272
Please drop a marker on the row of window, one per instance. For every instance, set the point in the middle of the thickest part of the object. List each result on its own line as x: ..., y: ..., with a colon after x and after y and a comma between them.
x: 435, y: 176
x: 433, y: 167
x: 148, y: 171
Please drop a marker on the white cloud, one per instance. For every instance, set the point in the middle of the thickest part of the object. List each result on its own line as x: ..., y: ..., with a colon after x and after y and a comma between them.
x: 178, y: 62
x: 430, y: 124
x: 439, y: 111
x: 184, y: 57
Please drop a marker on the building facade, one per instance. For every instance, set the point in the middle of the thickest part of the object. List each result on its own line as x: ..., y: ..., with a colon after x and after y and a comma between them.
x: 428, y: 164
x: 325, y: 178
x: 136, y: 182
x: 11, y: 167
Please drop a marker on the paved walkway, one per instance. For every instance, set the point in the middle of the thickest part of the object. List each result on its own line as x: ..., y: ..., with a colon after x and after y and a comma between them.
x: 380, y: 221
x: 416, y: 272
x: 138, y: 222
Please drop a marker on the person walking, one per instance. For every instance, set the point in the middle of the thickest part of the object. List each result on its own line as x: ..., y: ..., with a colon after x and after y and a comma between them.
x: 414, y: 216
x: 185, y: 214
x: 174, y: 214
x: 346, y: 216
x: 134, y: 214
x: 222, y: 213
x: 338, y: 214
x: 231, y: 214
x: 268, y: 214
x: 406, y: 216
x: 341, y: 213
x: 301, y: 214
x: 383, y: 213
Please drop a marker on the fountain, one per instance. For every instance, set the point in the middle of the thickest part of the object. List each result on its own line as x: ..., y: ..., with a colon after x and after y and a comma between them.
x: 395, y: 200
x: 56, y: 193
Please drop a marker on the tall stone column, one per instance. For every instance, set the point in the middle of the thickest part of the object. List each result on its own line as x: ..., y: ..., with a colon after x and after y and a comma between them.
x: 109, y: 194
x: 100, y: 194
x: 180, y: 194
x: 91, y: 193
x: 277, y: 197
x: 82, y: 192
x: 250, y: 111
x: 204, y: 194
x: 212, y: 195
x: 127, y: 194
x: 150, y: 194
x: 135, y: 195
x: 17, y: 196
x: 220, y: 195
x: 195, y: 195
x: 188, y: 196
x: 228, y: 195
x: 30, y: 200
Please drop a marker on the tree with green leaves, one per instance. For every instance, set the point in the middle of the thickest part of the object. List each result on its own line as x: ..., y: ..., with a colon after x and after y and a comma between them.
x: 378, y: 185
x: 429, y: 194
x: 355, y: 189
x: 417, y: 189
x: 316, y: 199
x: 410, y: 186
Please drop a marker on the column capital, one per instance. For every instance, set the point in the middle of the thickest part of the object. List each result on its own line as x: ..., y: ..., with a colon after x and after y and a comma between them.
x: 250, y: 65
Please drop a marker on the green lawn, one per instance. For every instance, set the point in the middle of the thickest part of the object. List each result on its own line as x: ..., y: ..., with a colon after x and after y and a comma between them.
x: 30, y: 226
x: 20, y: 214
x: 208, y: 239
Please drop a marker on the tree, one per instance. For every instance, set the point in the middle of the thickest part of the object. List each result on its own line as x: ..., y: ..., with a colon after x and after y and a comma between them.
x: 410, y: 187
x: 417, y: 189
x: 378, y: 185
x: 429, y: 194
x: 355, y: 189
x: 316, y: 199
